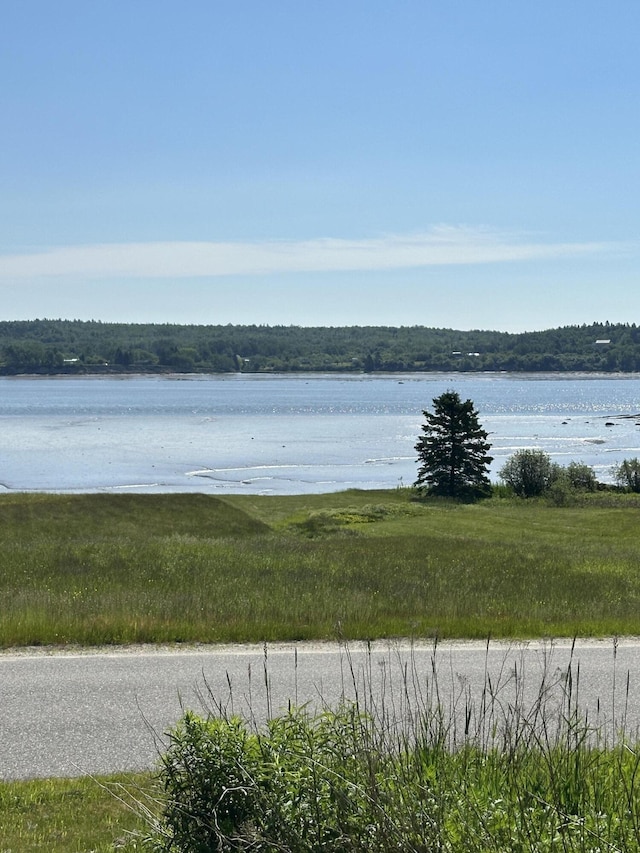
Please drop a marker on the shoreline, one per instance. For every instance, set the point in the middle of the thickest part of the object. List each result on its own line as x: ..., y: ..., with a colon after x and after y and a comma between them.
x: 338, y: 374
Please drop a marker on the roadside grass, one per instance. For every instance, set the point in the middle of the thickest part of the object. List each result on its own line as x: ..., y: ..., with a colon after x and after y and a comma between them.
x: 73, y: 815
x: 516, y: 766
x: 105, y: 569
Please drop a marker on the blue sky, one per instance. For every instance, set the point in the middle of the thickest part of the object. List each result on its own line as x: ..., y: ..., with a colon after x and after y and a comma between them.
x: 463, y: 164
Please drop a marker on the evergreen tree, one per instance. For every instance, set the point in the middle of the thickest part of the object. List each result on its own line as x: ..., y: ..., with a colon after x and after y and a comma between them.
x: 452, y: 452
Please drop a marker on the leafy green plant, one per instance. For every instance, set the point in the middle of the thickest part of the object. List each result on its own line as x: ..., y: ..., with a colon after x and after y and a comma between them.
x: 210, y: 775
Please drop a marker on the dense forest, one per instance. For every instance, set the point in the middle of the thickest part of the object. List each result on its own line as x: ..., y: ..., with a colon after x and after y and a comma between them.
x: 74, y: 346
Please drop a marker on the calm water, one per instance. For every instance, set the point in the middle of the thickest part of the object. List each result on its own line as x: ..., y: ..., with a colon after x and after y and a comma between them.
x: 289, y: 434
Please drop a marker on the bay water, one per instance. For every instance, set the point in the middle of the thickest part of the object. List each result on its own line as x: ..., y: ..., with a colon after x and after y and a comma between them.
x: 290, y: 434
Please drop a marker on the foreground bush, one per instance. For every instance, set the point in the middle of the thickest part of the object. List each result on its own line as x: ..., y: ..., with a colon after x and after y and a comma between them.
x: 306, y: 784
x: 502, y: 776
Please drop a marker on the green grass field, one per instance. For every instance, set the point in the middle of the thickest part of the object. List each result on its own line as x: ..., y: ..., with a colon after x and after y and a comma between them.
x: 74, y: 815
x: 93, y: 569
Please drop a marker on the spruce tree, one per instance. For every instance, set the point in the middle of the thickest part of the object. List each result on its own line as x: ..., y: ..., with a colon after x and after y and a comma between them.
x: 452, y: 451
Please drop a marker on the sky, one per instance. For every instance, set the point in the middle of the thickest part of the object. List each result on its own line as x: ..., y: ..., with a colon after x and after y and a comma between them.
x: 467, y: 164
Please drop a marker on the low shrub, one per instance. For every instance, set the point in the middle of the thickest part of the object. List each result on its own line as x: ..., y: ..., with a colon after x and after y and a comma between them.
x: 210, y: 775
x: 308, y: 783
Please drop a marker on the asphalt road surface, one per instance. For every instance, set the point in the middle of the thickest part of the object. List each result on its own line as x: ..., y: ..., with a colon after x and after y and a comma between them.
x: 66, y: 713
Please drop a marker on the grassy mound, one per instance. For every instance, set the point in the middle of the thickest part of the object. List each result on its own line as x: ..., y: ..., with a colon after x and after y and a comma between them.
x: 128, y: 516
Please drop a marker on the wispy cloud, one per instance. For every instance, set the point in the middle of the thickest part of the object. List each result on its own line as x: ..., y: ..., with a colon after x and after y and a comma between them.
x: 441, y: 245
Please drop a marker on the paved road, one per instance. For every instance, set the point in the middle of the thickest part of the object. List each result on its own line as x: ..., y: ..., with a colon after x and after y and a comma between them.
x: 64, y: 714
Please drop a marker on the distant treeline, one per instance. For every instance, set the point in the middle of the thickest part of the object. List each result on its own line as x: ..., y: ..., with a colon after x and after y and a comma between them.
x: 74, y: 346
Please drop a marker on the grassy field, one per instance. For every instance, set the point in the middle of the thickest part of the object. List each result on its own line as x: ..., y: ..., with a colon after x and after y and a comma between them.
x: 73, y: 815
x: 95, y: 569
